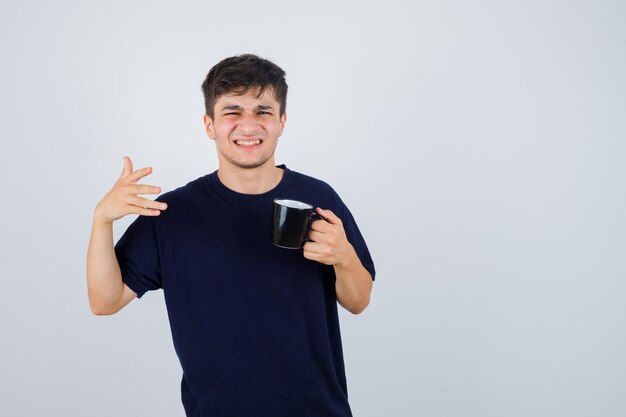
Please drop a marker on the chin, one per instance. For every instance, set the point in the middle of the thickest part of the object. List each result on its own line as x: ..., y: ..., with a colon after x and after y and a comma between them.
x: 250, y: 164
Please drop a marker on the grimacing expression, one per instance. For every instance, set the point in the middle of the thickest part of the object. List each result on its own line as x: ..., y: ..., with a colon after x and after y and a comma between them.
x: 246, y: 128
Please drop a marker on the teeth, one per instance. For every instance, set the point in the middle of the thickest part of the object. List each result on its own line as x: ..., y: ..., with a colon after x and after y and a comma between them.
x: 248, y: 142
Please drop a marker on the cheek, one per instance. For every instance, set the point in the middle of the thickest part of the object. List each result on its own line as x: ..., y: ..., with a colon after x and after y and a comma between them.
x: 225, y: 128
x: 272, y: 126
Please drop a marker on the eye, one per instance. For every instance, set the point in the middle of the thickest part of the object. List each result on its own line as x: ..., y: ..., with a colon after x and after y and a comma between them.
x: 265, y: 112
x: 231, y: 114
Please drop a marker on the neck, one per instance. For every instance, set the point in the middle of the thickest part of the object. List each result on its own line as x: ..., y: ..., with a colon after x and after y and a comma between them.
x: 257, y: 180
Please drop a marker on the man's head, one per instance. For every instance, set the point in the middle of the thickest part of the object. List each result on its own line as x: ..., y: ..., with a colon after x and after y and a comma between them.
x: 245, y: 100
x: 239, y: 74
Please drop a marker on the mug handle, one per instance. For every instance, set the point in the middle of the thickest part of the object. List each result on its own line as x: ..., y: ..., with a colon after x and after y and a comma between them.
x: 313, y: 216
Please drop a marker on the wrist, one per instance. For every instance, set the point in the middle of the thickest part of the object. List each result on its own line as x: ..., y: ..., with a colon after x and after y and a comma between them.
x: 349, y: 260
x: 100, y: 222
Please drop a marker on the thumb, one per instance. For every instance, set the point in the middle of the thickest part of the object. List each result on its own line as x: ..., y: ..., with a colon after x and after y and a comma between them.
x: 128, y: 167
x: 329, y: 216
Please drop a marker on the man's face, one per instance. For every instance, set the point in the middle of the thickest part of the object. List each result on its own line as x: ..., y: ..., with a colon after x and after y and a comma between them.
x: 246, y: 128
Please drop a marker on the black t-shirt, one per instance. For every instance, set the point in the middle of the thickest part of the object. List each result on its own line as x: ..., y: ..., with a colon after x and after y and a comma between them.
x: 255, y: 326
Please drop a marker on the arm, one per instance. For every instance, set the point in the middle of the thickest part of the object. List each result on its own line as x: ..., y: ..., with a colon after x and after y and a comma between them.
x: 107, y: 292
x: 330, y: 246
x: 354, y: 285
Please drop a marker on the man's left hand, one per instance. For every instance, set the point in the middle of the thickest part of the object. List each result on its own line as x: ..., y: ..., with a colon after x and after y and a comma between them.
x: 328, y: 243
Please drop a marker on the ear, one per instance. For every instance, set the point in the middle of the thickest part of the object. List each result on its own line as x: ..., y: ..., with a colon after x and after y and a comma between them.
x: 283, y: 120
x: 208, y: 126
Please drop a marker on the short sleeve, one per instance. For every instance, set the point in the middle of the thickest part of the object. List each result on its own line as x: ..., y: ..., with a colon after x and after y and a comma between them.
x: 355, y: 237
x: 137, y: 253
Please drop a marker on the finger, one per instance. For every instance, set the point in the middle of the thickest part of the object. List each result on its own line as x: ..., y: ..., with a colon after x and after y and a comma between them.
x: 128, y: 167
x: 311, y: 256
x: 317, y: 236
x: 329, y: 216
x: 143, y: 189
x: 147, y: 203
x: 321, y: 226
x: 313, y: 247
x: 139, y: 174
x: 145, y: 211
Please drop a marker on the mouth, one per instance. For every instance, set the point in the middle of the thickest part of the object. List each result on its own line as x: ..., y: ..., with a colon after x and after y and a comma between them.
x: 248, y: 143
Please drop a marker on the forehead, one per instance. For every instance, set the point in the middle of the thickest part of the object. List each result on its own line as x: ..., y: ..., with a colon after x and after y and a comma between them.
x: 250, y: 99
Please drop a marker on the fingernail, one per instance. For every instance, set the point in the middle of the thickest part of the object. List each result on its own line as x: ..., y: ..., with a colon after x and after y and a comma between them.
x: 156, y: 189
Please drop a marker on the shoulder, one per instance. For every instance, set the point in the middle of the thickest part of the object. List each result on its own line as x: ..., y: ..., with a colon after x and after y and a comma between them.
x: 183, y: 203
x: 316, y: 191
x: 311, y: 183
x: 185, y: 194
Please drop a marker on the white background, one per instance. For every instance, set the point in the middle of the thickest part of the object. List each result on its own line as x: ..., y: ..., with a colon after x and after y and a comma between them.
x: 480, y: 146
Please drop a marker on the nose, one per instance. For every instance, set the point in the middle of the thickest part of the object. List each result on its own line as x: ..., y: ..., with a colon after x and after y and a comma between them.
x: 248, y: 125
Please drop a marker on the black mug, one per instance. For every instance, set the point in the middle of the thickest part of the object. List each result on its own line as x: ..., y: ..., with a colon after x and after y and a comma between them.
x: 292, y: 221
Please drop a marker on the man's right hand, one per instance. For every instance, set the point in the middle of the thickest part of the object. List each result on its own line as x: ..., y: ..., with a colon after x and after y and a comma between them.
x: 124, y: 197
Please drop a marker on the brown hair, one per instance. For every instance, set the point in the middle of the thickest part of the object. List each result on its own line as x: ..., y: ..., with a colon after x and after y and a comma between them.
x: 238, y: 74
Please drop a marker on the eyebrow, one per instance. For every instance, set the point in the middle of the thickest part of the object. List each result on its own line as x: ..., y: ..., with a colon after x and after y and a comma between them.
x: 239, y: 108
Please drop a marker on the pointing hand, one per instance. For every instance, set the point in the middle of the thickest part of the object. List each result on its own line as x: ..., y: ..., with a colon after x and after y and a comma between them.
x: 124, y: 197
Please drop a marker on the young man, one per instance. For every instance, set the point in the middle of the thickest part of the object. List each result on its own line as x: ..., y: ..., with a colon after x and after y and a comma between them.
x: 255, y: 326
